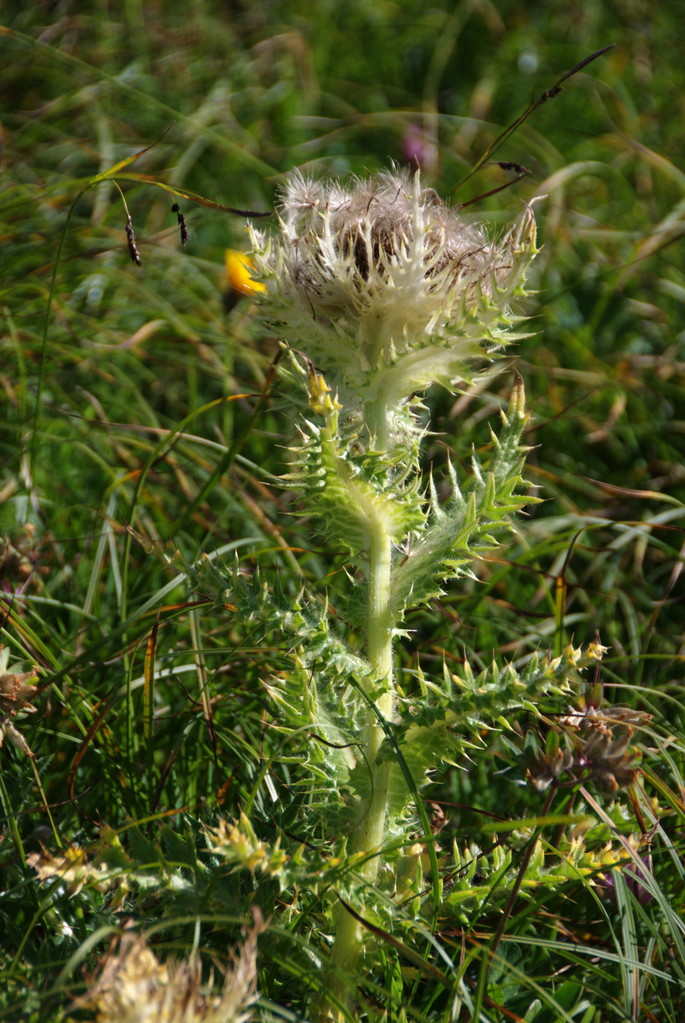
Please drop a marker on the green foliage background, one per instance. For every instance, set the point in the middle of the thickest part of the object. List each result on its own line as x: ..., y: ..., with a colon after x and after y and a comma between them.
x: 131, y: 398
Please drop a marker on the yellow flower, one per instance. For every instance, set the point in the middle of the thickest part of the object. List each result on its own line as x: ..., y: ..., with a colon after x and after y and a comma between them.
x: 239, y: 273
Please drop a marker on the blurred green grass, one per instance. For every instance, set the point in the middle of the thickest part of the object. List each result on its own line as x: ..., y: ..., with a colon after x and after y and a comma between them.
x: 101, y: 363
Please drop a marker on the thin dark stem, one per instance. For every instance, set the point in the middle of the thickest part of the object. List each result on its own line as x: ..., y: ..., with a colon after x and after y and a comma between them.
x: 506, y: 914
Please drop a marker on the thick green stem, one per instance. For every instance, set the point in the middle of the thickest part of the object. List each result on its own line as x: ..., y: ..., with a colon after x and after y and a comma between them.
x: 368, y: 835
x: 377, y: 422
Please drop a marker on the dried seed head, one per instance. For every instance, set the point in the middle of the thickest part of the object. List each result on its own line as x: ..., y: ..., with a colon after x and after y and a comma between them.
x: 183, y: 227
x: 600, y: 747
x: 134, y: 987
x: 132, y: 247
x: 17, y: 693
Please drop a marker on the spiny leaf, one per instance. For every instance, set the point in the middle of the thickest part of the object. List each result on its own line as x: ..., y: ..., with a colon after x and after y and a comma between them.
x: 466, y: 527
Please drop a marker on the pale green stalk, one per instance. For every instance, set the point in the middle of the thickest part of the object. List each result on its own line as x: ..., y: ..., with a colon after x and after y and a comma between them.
x: 367, y: 837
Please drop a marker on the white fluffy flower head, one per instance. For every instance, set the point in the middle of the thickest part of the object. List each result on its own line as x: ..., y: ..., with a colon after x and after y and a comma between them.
x: 382, y: 279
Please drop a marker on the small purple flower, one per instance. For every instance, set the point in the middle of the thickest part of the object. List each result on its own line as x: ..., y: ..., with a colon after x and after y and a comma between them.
x: 418, y: 150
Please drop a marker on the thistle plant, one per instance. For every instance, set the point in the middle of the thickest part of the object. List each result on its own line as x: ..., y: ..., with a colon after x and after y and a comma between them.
x: 378, y: 291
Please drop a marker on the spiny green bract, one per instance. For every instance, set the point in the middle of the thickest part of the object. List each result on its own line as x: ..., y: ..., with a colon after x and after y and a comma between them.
x: 448, y: 717
x: 317, y: 686
x: 354, y: 491
x: 466, y: 526
x: 320, y: 709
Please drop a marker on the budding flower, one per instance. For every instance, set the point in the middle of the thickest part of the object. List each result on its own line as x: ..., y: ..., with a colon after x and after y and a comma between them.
x: 384, y: 287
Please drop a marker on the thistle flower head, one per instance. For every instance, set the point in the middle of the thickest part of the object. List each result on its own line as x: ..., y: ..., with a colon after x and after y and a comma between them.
x: 386, y: 288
